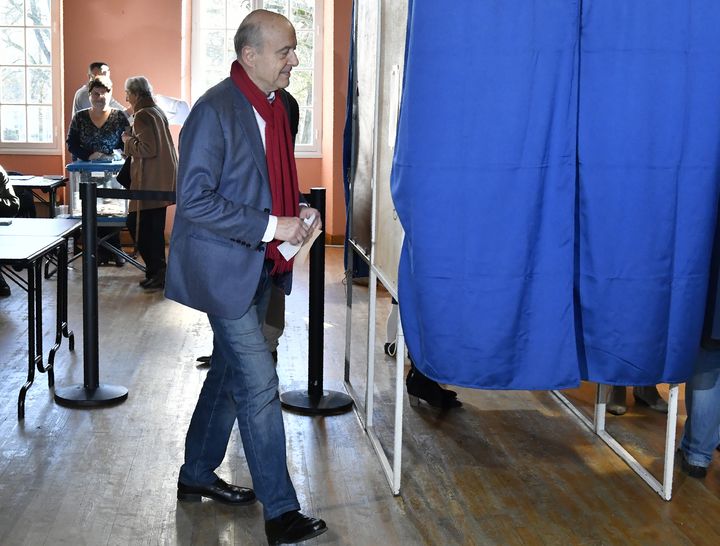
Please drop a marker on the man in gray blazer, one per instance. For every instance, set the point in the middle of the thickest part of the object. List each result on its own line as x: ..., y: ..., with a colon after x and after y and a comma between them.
x: 237, y: 199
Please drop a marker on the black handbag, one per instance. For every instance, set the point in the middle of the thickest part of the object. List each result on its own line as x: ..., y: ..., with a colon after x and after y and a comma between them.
x: 123, y: 175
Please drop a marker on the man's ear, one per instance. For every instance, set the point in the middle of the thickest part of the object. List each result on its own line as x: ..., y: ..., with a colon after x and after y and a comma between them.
x: 248, y: 55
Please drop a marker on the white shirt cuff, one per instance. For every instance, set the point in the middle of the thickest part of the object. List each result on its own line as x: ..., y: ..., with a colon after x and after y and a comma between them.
x: 269, y: 234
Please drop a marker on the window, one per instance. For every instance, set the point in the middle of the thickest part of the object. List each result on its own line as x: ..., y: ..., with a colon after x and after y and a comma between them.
x: 214, y: 23
x: 29, y: 76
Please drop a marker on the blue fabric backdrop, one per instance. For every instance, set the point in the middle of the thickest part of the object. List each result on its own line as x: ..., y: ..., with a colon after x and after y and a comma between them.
x: 556, y: 175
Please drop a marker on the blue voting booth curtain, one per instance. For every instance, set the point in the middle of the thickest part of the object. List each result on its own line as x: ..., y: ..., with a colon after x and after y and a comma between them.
x: 483, y: 182
x: 556, y: 175
x: 649, y: 152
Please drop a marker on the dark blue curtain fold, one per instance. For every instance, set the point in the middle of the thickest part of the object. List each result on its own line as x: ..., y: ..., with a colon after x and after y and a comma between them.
x: 556, y: 174
x: 360, y: 268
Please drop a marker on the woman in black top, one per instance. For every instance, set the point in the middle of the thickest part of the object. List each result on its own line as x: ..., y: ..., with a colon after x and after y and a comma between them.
x: 94, y: 133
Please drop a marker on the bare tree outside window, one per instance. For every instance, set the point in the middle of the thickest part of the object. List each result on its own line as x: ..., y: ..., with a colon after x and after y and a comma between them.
x: 26, y: 71
x: 214, y: 26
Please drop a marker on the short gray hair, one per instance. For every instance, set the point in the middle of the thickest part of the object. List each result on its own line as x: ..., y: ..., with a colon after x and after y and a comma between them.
x: 249, y: 33
x: 139, y: 85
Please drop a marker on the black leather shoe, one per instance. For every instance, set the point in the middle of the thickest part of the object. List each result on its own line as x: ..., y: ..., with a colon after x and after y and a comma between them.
x: 157, y: 281
x: 617, y: 400
x: 420, y: 387
x: 204, y: 362
x: 649, y: 396
x: 293, y: 527
x: 218, y: 491
x: 692, y: 470
x: 424, y: 382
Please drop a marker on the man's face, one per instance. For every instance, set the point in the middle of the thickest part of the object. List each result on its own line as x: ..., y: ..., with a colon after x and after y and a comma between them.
x: 272, y: 64
x: 102, y: 71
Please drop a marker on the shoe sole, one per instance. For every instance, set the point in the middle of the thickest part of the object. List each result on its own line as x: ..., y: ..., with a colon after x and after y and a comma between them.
x: 303, y: 539
x: 415, y: 403
x: 197, y: 497
x: 152, y: 288
x: 654, y: 407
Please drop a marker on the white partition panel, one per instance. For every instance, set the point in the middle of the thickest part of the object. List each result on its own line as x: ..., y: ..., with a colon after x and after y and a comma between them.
x: 375, y: 230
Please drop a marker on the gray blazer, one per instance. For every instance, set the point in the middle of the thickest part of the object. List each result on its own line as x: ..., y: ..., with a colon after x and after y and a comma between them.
x: 223, y: 204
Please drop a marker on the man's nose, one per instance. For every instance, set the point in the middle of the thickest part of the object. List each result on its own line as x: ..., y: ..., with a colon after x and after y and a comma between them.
x: 293, y: 60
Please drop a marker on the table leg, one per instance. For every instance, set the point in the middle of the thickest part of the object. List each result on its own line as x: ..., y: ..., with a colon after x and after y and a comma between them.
x: 61, y: 310
x: 51, y: 214
x: 31, y: 341
x: 51, y: 204
x: 63, y: 267
x: 37, y: 270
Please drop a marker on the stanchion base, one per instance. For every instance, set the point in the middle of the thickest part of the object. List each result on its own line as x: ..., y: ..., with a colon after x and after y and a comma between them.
x: 330, y: 403
x: 77, y: 396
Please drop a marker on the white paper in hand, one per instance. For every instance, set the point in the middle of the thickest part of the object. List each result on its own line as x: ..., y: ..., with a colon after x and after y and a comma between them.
x: 289, y: 250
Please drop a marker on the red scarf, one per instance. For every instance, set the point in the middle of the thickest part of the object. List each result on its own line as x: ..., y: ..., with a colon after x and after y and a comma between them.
x: 280, y: 156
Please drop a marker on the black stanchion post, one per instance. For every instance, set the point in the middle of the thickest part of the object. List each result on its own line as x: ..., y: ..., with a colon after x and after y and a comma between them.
x: 315, y: 400
x: 91, y: 353
x: 91, y: 393
x: 316, y: 303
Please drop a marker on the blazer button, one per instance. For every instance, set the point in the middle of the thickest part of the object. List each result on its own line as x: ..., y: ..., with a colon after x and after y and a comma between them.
x: 266, y: 210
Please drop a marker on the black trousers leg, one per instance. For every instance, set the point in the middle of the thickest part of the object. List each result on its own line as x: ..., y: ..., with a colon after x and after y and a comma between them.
x: 151, y: 238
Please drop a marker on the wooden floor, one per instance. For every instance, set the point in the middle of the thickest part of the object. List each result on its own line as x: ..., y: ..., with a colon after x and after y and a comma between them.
x: 507, y: 468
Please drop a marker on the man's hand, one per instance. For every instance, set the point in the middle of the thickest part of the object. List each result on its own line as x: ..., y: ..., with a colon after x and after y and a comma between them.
x: 307, y: 212
x: 291, y: 229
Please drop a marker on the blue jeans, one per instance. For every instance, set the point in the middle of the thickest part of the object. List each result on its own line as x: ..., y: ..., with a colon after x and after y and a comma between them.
x: 702, y: 401
x: 242, y: 385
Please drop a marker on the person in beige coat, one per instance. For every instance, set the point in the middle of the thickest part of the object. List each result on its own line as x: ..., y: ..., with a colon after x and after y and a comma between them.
x: 153, y: 167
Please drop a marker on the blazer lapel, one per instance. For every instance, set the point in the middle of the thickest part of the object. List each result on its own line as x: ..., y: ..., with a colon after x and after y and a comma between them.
x: 246, y: 116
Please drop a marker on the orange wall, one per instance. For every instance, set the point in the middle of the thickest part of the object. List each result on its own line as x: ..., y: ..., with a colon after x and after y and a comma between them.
x: 33, y: 164
x: 141, y: 37
x: 135, y: 37
x: 309, y: 173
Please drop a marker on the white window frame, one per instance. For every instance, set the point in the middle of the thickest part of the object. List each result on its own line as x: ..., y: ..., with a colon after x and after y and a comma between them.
x: 313, y: 150
x: 55, y: 147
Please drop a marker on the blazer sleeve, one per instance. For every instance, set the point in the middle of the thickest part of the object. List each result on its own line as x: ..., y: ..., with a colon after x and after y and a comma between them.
x: 144, y: 139
x: 200, y: 171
